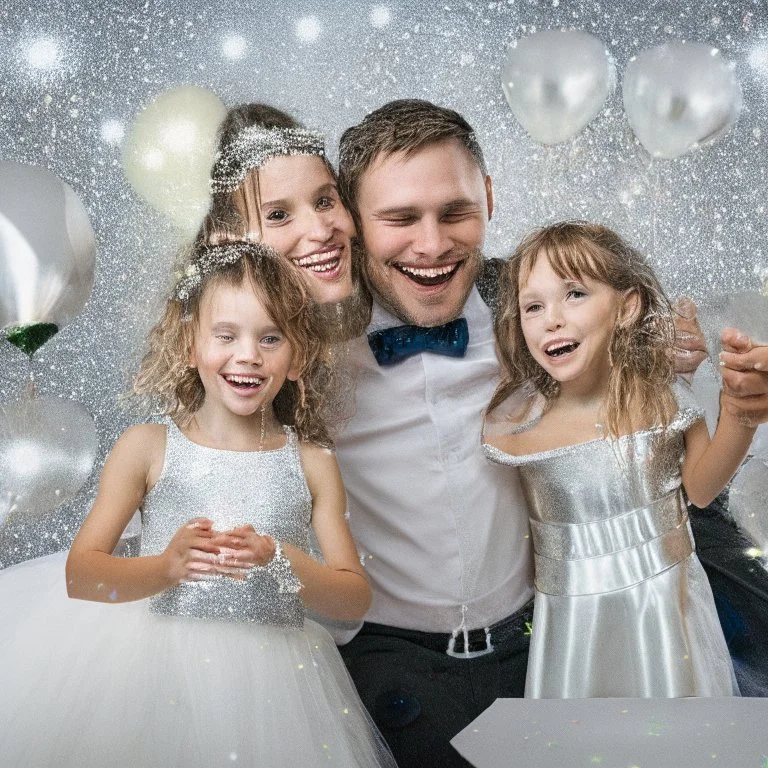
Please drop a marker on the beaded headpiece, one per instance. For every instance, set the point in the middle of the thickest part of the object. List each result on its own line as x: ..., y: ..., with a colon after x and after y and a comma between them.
x: 212, y: 258
x: 253, y: 146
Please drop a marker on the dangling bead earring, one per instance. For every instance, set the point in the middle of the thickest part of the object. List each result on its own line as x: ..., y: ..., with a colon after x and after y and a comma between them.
x: 261, y: 436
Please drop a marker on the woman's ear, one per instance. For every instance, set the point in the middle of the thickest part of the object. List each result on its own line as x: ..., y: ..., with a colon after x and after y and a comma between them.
x: 629, y: 311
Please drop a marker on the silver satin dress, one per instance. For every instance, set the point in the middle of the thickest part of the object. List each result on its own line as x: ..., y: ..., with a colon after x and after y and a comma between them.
x: 623, y: 607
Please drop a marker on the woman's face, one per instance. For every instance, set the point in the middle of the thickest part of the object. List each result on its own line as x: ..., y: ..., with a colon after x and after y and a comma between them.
x: 303, y: 219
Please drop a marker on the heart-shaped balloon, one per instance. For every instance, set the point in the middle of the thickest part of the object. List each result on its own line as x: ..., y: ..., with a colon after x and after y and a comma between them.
x: 47, y: 254
x: 680, y: 96
x: 47, y: 450
x: 169, y: 151
x: 556, y: 81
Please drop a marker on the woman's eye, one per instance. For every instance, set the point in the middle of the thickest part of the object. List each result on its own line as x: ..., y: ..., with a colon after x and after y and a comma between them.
x: 325, y: 202
x: 271, y: 340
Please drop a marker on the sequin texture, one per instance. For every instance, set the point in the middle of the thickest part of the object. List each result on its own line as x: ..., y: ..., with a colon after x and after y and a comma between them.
x: 266, y: 489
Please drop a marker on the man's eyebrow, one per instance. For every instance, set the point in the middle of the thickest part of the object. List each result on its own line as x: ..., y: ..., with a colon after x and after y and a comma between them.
x: 396, y: 210
x: 460, y: 203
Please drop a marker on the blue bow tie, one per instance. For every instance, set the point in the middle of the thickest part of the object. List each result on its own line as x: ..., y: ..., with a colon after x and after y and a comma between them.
x: 392, y: 345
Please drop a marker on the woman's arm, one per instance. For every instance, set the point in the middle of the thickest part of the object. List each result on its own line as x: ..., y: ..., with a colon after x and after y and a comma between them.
x: 708, y: 466
x: 130, y: 471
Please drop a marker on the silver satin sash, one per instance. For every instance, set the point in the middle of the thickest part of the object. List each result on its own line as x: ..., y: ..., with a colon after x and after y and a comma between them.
x: 606, y: 555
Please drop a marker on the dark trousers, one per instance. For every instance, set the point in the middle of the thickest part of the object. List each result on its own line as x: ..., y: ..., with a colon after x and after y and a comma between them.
x: 420, y: 697
x: 740, y: 586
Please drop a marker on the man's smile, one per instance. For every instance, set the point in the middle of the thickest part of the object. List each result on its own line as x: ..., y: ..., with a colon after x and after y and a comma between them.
x: 429, y: 276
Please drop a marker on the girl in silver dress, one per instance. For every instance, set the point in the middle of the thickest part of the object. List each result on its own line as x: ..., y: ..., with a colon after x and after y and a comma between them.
x: 606, y: 445
x: 198, y: 652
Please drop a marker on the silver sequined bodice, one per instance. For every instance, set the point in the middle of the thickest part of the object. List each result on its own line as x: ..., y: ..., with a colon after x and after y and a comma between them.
x: 266, y: 489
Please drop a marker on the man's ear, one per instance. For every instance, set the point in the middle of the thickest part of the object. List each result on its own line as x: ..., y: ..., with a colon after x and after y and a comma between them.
x: 629, y: 311
x: 489, y: 195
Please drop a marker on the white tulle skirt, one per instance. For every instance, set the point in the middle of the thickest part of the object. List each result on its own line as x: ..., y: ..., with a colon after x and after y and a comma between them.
x: 92, y: 684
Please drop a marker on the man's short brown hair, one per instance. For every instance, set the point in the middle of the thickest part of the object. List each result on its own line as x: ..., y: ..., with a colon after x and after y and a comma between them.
x: 404, y: 125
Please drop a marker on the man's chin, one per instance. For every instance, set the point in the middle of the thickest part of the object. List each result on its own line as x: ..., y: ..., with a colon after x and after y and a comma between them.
x: 425, y: 305
x: 425, y: 312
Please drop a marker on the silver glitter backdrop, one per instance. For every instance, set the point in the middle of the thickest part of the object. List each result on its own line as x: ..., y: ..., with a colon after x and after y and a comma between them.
x: 74, y: 74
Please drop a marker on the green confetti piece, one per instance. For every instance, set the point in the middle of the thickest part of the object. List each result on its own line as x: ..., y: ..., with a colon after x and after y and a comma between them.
x: 29, y: 338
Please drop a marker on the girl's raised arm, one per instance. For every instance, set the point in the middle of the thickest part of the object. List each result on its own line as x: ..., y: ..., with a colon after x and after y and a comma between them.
x: 130, y: 471
x: 709, y: 465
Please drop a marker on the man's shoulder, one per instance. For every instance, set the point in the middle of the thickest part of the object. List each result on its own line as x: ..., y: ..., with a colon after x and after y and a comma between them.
x: 488, y: 282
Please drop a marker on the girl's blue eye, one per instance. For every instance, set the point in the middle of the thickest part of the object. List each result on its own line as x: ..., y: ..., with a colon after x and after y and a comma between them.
x: 576, y: 293
x: 276, y: 216
x: 271, y: 340
x: 533, y: 308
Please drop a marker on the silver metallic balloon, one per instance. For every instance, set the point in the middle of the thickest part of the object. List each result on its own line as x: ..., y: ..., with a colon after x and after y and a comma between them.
x: 556, y: 81
x: 47, y: 450
x: 680, y: 96
x: 47, y: 248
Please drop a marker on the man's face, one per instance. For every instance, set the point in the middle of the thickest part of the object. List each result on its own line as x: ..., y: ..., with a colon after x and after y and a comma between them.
x: 423, y: 220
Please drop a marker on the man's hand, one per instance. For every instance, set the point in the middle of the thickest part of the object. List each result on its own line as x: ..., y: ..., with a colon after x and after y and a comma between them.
x: 690, y: 346
x: 744, y: 367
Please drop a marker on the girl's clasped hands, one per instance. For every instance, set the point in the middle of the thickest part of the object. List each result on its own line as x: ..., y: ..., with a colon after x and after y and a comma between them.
x: 198, y: 552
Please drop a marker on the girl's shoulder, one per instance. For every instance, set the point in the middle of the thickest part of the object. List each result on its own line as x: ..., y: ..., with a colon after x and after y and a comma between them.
x: 315, y: 454
x: 143, y: 446
x: 689, y: 411
x: 513, y: 424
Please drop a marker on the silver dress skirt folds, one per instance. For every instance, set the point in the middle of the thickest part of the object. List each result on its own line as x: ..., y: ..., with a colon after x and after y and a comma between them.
x: 623, y: 607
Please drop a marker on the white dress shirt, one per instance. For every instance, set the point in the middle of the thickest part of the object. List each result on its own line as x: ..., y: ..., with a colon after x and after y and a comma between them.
x: 443, y: 532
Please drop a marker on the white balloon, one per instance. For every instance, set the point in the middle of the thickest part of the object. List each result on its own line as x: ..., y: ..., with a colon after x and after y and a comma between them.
x: 680, y: 96
x: 47, y: 450
x: 556, y: 82
x: 169, y: 151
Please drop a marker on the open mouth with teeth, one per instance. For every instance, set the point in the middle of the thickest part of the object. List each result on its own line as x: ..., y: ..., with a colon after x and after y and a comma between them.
x: 243, y: 383
x: 326, y: 264
x: 428, y: 276
x: 561, y: 348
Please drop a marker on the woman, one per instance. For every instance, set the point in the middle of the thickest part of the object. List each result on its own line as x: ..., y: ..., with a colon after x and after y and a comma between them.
x: 272, y: 183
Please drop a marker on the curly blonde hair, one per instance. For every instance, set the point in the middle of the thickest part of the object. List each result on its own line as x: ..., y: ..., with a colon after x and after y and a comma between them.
x: 166, y: 377
x: 640, y: 347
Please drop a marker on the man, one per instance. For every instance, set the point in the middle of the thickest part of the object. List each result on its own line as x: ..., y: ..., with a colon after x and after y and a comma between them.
x: 444, y: 533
